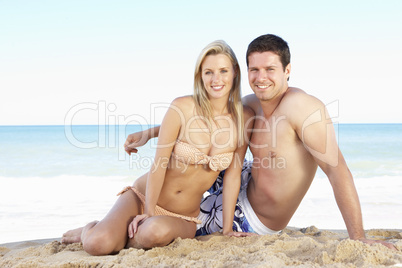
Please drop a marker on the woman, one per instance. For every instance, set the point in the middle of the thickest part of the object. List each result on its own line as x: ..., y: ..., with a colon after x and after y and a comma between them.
x: 200, y: 135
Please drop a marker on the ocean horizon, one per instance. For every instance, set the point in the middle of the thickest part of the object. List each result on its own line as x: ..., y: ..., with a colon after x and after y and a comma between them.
x: 55, y: 177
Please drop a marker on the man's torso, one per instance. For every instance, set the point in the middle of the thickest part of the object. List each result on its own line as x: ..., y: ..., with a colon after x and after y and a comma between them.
x: 282, y: 168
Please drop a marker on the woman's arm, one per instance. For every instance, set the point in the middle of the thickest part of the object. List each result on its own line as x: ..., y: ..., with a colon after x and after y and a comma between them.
x: 168, y: 133
x: 232, y: 178
x: 231, y: 187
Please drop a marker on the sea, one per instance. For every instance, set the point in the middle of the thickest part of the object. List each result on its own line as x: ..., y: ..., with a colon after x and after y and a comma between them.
x: 56, y: 178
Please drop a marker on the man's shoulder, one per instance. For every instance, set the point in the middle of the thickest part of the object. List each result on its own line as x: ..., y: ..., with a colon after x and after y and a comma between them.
x: 298, y: 98
x: 298, y: 106
x: 249, y: 98
x: 251, y: 101
x: 295, y: 92
x: 248, y: 112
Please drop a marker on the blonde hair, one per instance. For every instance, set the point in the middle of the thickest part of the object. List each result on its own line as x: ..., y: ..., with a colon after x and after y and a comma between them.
x: 234, y: 105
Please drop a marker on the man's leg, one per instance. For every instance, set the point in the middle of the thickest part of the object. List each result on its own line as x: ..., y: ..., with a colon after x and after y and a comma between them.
x: 211, y: 213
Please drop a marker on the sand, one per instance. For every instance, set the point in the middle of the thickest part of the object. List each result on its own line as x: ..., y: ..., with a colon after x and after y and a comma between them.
x: 307, y: 247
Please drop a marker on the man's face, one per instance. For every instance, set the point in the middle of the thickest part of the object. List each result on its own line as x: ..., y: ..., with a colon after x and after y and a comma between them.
x: 266, y: 75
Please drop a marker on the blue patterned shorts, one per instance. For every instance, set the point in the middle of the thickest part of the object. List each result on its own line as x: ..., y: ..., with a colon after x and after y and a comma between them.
x: 211, y: 207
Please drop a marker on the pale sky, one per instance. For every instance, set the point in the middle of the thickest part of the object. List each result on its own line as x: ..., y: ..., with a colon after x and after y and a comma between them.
x: 95, y: 62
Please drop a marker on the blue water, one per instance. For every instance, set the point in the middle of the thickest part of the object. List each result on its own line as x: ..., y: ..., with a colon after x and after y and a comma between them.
x: 55, y: 178
x: 371, y: 150
x: 46, y: 151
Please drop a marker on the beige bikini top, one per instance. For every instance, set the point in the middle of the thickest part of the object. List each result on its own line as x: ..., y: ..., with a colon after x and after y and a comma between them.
x: 188, y: 154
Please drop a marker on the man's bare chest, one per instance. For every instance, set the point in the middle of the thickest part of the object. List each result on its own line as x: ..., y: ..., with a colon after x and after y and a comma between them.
x: 270, y: 133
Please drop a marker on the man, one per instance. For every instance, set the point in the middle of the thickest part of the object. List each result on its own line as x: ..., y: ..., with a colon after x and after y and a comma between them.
x: 292, y: 136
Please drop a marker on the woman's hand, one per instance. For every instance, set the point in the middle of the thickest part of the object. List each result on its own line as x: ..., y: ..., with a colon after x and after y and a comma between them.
x: 137, y: 221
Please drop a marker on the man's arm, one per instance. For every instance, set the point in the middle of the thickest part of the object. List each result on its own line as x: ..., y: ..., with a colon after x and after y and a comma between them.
x: 139, y: 139
x: 316, y: 131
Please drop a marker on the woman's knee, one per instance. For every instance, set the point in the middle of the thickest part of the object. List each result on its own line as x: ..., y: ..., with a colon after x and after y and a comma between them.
x: 153, y: 234
x: 102, y: 243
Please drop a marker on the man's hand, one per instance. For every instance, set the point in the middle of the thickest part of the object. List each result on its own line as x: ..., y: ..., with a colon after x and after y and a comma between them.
x: 371, y: 242
x: 239, y: 234
x: 134, y: 140
x: 137, y: 221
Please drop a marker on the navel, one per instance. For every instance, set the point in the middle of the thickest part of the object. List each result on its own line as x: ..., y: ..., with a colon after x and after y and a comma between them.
x: 271, y: 154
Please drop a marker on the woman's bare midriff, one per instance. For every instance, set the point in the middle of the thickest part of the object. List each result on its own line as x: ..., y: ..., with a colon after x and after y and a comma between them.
x: 183, y: 188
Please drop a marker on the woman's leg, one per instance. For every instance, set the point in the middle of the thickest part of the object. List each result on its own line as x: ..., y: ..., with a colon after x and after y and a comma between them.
x: 159, y: 231
x: 110, y: 235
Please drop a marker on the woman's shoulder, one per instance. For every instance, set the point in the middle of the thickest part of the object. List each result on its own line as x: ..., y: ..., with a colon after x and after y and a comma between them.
x: 184, y: 103
x: 183, y: 100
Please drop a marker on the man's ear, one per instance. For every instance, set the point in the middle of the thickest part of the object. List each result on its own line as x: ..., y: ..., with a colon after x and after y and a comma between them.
x: 287, y: 71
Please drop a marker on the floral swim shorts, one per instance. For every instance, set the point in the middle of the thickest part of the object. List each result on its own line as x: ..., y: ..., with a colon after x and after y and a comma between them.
x: 245, y: 219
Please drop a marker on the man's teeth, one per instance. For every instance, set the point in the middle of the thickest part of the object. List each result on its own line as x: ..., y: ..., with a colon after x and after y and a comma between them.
x: 260, y: 86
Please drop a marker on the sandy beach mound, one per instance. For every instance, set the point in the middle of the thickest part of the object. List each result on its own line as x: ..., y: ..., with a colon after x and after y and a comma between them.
x: 307, y: 247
